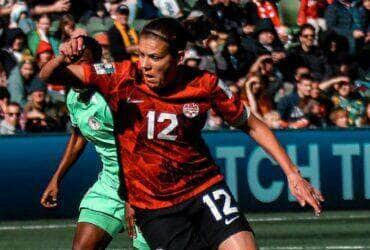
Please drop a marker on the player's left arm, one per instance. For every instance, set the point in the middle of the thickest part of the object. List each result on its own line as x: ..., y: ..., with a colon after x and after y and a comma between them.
x: 231, y: 109
x: 300, y: 188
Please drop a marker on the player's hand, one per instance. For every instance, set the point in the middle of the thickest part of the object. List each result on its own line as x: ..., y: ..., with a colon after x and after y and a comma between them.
x: 305, y: 193
x: 130, y: 220
x: 72, y: 49
x: 49, y: 198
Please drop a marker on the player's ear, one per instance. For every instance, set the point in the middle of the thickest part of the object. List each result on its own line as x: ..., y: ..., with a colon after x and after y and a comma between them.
x: 180, y: 56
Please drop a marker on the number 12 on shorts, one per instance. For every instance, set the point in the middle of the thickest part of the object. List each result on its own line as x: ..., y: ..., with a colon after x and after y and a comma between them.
x: 227, y: 208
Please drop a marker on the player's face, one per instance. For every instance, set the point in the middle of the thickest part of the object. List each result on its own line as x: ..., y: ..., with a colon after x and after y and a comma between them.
x: 158, y: 65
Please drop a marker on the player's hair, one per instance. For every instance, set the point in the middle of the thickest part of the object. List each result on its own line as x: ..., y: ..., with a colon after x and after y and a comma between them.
x: 168, y: 30
x: 95, y: 48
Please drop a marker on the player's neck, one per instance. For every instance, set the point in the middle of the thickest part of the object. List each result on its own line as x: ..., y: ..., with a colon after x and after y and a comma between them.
x: 85, y: 96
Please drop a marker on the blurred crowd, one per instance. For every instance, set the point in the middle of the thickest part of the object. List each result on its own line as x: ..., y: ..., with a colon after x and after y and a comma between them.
x: 312, y: 74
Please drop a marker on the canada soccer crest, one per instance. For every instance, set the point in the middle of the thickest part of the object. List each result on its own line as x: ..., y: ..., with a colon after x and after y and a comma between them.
x: 190, y: 110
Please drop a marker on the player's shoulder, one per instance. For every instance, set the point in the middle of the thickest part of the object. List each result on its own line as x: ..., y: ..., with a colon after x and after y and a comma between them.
x: 71, y: 100
x: 71, y: 97
x: 199, y: 78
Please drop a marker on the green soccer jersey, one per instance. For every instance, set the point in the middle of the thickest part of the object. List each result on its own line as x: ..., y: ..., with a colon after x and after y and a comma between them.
x: 95, y: 121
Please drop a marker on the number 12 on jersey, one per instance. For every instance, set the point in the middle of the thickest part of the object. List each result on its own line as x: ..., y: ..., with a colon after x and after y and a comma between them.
x: 165, y: 133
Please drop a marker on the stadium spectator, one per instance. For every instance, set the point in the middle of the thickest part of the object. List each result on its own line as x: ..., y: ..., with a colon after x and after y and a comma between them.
x: 316, y: 113
x: 266, y: 37
x: 285, y: 36
x: 4, y: 100
x: 225, y: 13
x: 309, y: 12
x: 7, y: 61
x: 170, y: 8
x: 11, y: 123
x: 43, y: 54
x: 361, y: 25
x: 40, y: 7
x: 20, y: 18
x: 19, y: 11
x: 264, y: 66
x: 214, y: 122
x: 266, y: 10
x: 366, y: 121
x: 20, y: 81
x: 339, y: 117
x: 192, y: 58
x: 123, y: 39
x: 256, y: 96
x: 42, y: 34
x: 66, y: 27
x: 42, y: 115
x: 335, y: 48
x: 3, y: 76
x: 339, y: 19
x: 290, y: 107
x: 6, y: 7
x: 17, y: 44
x: 347, y: 100
x: 309, y: 54
x: 246, y: 31
x: 233, y: 61
x: 206, y: 44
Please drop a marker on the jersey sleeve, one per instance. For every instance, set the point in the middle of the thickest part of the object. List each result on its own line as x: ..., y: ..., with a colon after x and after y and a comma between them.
x: 227, y: 105
x: 107, y: 77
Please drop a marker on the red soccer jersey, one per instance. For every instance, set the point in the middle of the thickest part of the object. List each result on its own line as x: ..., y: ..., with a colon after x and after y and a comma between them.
x: 164, y: 158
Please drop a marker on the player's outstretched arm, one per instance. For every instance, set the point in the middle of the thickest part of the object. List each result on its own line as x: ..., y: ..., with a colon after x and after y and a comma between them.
x: 60, y: 69
x: 72, y: 153
x: 299, y: 187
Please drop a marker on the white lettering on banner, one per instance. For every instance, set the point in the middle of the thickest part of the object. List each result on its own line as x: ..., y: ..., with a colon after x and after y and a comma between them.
x: 261, y: 193
x: 310, y: 171
x: 367, y: 170
x: 346, y: 151
x: 230, y: 154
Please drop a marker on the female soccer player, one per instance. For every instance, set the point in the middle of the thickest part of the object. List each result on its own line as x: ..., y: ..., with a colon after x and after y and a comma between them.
x: 179, y: 195
x: 102, y: 211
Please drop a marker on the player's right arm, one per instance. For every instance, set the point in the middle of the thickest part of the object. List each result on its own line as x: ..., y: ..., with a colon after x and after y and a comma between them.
x: 72, y: 153
x: 60, y: 69
x: 104, y: 77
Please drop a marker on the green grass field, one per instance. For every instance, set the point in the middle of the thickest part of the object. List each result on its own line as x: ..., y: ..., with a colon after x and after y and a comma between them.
x: 280, y: 231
